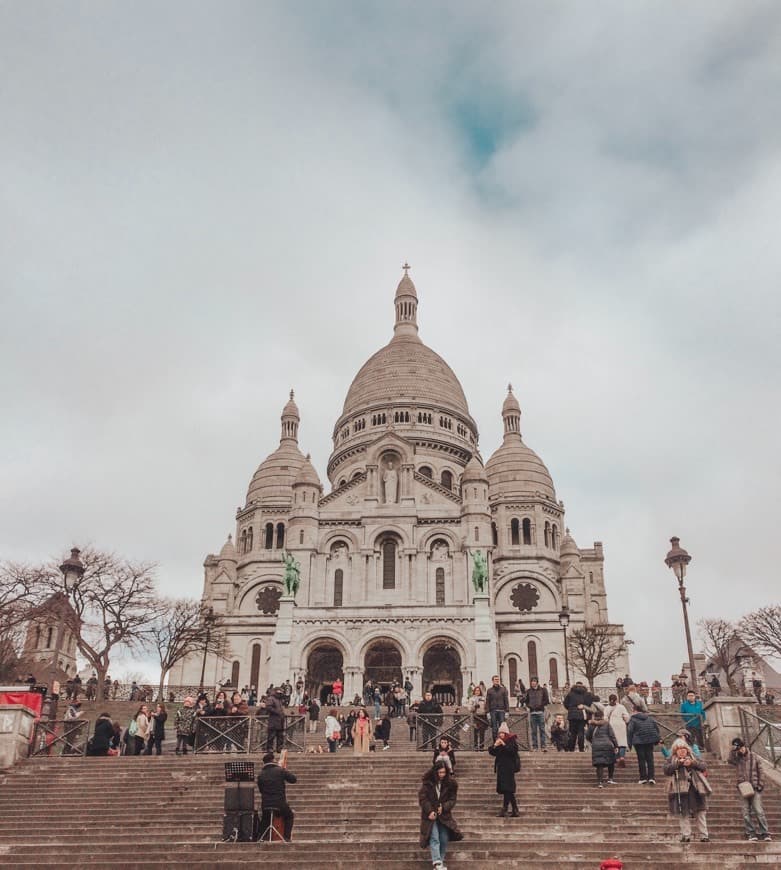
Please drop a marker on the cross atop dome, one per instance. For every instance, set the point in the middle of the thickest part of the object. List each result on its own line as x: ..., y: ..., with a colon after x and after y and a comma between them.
x: 406, y: 268
x: 406, y: 303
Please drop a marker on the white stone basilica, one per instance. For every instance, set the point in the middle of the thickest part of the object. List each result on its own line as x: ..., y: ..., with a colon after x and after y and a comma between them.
x: 385, y: 555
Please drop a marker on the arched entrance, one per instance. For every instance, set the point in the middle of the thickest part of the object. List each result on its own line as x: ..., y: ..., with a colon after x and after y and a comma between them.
x: 325, y: 664
x: 442, y: 672
x: 382, y: 664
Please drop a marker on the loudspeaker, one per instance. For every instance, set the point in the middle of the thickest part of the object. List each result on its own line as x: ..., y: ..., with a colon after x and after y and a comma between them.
x: 239, y: 796
x: 240, y: 827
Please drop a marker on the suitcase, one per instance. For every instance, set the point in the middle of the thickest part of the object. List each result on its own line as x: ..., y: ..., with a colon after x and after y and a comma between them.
x: 240, y: 827
x: 240, y: 797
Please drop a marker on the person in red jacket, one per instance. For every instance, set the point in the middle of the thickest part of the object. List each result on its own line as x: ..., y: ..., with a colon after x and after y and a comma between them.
x: 337, y: 690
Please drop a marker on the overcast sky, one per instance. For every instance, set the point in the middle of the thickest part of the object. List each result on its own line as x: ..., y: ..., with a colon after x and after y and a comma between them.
x: 203, y: 205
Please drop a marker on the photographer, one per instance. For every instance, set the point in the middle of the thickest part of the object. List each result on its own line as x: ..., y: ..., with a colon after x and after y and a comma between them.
x: 750, y: 786
x: 687, y: 794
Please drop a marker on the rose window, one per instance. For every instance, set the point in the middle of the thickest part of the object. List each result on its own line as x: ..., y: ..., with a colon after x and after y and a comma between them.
x: 525, y: 596
x: 267, y: 599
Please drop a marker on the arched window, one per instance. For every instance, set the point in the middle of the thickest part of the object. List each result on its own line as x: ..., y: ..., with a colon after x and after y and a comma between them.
x: 342, y: 482
x: 269, y: 543
x: 254, y: 673
x: 447, y: 479
x: 300, y: 536
x: 554, y: 675
x: 515, y: 533
x: 49, y: 637
x: 547, y: 534
x: 440, y: 586
x: 389, y: 565
x: 280, y: 535
x: 235, y: 675
x: 531, y: 652
x: 249, y: 540
x: 426, y: 471
x: 555, y: 537
x: 477, y: 533
x: 243, y: 542
x: 494, y: 535
x: 338, y: 587
x: 37, y: 636
x: 512, y: 673
x: 527, y: 530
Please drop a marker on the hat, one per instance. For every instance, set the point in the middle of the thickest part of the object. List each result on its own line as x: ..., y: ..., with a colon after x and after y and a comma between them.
x: 504, y: 729
x: 738, y: 743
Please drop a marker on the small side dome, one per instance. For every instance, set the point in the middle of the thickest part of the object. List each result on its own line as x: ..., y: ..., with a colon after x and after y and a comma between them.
x: 569, y: 548
x: 307, y: 475
x: 228, y: 551
x: 474, y: 471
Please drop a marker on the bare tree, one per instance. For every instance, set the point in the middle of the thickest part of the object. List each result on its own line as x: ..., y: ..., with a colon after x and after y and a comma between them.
x: 22, y: 589
x: 595, y: 651
x: 179, y: 630
x: 723, y: 648
x: 113, y: 604
x: 762, y: 630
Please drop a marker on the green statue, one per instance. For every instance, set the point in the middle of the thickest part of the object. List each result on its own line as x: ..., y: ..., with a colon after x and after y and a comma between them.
x: 479, y: 571
x: 292, y: 573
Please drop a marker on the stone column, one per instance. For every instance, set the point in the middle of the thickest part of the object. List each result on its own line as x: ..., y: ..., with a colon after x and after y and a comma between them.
x: 416, y: 678
x: 16, y: 730
x: 485, y: 640
x: 353, y: 683
x: 723, y: 719
x: 279, y: 666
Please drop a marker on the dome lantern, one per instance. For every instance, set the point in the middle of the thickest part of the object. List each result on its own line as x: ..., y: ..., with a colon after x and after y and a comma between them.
x: 406, y: 303
x: 290, y: 420
x: 511, y: 414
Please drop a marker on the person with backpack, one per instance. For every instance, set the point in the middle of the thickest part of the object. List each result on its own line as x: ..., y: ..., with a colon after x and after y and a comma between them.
x: 604, y: 748
x: 507, y: 762
x: 642, y: 735
x: 577, y: 702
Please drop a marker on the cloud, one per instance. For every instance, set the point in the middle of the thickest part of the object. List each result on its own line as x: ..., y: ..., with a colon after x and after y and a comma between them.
x: 199, y: 211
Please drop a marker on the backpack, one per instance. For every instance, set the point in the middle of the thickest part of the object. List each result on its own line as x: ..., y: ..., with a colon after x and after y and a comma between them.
x: 132, y: 728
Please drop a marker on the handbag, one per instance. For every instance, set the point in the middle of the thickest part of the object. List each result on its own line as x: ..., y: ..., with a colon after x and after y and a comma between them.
x: 746, y: 789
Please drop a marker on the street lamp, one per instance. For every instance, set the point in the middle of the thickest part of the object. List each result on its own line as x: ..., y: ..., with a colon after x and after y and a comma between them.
x: 678, y: 559
x: 72, y: 570
x: 209, y: 619
x: 564, y: 622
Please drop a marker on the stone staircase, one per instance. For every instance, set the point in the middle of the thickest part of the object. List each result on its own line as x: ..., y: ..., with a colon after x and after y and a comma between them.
x: 357, y: 812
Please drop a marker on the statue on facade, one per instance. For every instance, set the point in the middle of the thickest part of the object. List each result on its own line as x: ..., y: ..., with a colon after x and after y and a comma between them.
x: 479, y: 571
x: 391, y: 481
x: 292, y: 573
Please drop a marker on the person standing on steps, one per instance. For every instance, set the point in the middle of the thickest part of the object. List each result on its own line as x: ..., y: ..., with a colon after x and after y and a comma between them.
x: 184, y: 725
x: 750, y: 787
x: 604, y: 748
x: 314, y: 715
x: 429, y: 719
x: 618, y: 718
x: 382, y: 731
x: 687, y: 793
x: 362, y: 733
x: 507, y: 762
x: 497, y: 703
x: 437, y: 797
x: 577, y: 702
x: 157, y: 730
x: 536, y: 700
x: 333, y: 730
x: 479, y: 719
x: 642, y: 735
x: 276, y: 721
x: 693, y: 716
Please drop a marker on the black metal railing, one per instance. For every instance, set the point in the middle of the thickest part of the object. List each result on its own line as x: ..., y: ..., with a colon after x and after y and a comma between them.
x: 762, y: 736
x: 467, y: 731
x: 248, y: 734
x: 55, y: 738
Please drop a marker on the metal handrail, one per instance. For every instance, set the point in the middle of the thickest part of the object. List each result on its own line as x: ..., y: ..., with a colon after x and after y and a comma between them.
x: 457, y: 727
x: 762, y: 736
x: 59, y: 737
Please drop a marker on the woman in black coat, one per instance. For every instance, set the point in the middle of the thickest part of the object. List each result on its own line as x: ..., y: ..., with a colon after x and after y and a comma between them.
x: 102, y: 737
x: 604, y: 747
x: 507, y: 762
x: 437, y: 797
x: 157, y: 730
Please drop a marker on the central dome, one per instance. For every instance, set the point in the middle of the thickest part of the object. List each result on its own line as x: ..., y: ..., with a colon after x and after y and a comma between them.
x: 405, y: 371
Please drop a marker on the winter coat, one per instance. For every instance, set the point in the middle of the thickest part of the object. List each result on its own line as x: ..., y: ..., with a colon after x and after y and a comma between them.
x: 496, y: 698
x: 101, y: 739
x: 362, y: 736
x: 693, y: 714
x: 578, y: 695
x: 383, y: 729
x: 431, y: 711
x: 642, y: 730
x: 332, y: 724
x: 506, y: 763
x: 688, y: 790
x: 617, y: 719
x: 603, y: 743
x: 747, y: 768
x: 185, y: 721
x: 242, y: 708
x: 276, y: 713
x: 537, y: 700
x: 428, y: 800
x: 450, y: 755
x: 314, y: 711
x: 271, y: 785
x: 158, y: 725
x: 142, y: 724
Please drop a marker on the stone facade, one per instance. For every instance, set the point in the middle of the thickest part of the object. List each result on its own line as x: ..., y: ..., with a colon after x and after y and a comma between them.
x: 386, y: 555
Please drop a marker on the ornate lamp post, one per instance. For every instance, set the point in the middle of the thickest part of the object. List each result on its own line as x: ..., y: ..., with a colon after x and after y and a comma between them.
x: 209, y: 619
x: 564, y: 623
x: 678, y: 559
x: 72, y: 571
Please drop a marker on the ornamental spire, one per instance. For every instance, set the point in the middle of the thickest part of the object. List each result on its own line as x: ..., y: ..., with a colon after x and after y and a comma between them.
x: 406, y: 302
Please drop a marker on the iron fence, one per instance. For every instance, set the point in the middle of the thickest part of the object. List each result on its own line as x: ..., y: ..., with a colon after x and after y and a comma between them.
x: 467, y: 731
x: 248, y: 734
x: 761, y: 736
x: 58, y: 737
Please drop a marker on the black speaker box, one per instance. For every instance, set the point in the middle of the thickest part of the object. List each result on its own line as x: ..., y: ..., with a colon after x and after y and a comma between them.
x: 240, y: 827
x: 239, y: 796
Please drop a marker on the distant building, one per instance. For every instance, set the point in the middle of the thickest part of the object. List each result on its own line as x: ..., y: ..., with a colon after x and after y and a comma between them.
x: 40, y: 642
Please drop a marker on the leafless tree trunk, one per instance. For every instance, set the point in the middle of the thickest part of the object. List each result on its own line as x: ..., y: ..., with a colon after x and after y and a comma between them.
x: 723, y: 647
x: 595, y: 651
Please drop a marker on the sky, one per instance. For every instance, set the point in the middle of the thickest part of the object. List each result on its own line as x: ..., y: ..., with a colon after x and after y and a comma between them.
x: 203, y: 205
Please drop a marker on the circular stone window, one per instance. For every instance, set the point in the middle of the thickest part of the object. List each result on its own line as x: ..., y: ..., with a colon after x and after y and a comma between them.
x: 267, y: 599
x: 525, y: 596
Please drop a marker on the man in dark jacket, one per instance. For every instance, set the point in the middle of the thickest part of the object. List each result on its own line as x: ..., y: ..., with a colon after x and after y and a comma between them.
x: 429, y: 719
x: 536, y: 700
x: 642, y: 735
x: 577, y: 702
x: 271, y: 785
x: 497, y: 704
x: 276, y: 722
x: 748, y: 769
